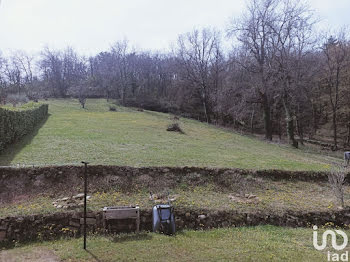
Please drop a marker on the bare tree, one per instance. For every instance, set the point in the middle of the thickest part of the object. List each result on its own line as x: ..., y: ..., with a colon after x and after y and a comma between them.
x: 51, y: 66
x: 120, y: 52
x: 336, y: 62
x: 62, y: 70
x: 25, y: 64
x: 276, y: 36
x: 2, y: 81
x: 82, y: 99
x: 293, y: 40
x: 198, y: 54
x: 336, y: 179
x: 14, y: 75
x: 103, y: 72
x: 253, y: 30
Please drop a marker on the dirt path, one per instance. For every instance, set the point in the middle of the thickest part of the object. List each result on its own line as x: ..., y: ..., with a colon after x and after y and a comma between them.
x: 34, y: 255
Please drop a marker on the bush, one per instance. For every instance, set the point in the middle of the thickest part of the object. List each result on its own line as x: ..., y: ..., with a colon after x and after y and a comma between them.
x: 18, y: 122
x: 336, y: 180
x: 82, y: 101
x: 113, y: 108
x: 175, y: 127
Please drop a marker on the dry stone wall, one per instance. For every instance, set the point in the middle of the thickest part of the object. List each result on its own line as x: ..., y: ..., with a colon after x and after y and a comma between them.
x: 70, y: 224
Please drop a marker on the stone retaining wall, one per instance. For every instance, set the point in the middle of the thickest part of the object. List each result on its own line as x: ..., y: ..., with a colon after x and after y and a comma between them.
x: 53, y: 226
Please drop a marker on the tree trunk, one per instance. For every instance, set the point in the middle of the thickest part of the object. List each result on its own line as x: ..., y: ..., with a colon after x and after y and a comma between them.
x: 279, y: 128
x: 205, y: 106
x: 267, y: 117
x: 335, y: 131
x: 348, y: 137
x: 206, y: 112
x: 252, y: 121
x: 124, y: 96
x: 300, y: 128
x: 290, y: 126
x: 290, y: 131
x: 314, y: 120
x: 300, y: 131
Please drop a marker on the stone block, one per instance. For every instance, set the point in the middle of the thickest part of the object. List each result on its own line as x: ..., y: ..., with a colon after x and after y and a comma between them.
x: 2, y: 235
x: 89, y: 221
x: 74, y: 224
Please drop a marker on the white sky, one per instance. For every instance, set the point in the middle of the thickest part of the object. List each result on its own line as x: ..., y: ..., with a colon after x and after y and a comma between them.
x: 92, y: 26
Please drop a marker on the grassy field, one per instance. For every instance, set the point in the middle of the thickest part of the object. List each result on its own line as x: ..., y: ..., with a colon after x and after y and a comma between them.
x: 273, y: 197
x: 129, y: 137
x: 263, y: 243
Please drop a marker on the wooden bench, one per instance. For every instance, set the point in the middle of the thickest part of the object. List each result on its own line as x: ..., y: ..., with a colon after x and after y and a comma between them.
x: 121, y: 212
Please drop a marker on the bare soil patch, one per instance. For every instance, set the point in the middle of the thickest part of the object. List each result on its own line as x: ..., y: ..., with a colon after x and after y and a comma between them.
x: 37, y: 254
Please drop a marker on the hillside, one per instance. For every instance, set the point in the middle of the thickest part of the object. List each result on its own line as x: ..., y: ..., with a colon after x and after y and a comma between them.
x: 129, y: 137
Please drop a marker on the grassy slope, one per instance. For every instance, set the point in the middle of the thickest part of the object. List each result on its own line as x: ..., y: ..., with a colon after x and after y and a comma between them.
x: 136, y: 138
x: 275, y: 197
x: 263, y: 243
x: 128, y: 137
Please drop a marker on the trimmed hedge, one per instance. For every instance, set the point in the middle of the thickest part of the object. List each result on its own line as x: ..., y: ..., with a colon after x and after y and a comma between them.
x: 18, y: 122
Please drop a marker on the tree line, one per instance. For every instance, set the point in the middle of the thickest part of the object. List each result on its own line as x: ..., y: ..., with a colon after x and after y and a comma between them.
x: 280, y: 77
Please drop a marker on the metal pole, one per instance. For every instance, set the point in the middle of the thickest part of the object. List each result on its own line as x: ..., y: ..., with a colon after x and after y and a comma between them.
x: 85, y: 194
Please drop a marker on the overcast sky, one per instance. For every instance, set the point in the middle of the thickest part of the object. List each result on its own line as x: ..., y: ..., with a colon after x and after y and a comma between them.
x: 92, y: 26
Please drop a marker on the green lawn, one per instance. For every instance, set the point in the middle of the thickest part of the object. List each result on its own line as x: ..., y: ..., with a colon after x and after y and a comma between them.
x: 263, y: 243
x: 128, y: 137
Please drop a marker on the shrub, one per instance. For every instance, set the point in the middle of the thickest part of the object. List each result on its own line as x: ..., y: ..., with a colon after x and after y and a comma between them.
x: 112, y: 108
x: 17, y: 122
x: 336, y: 180
x: 175, y: 127
x: 82, y: 101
